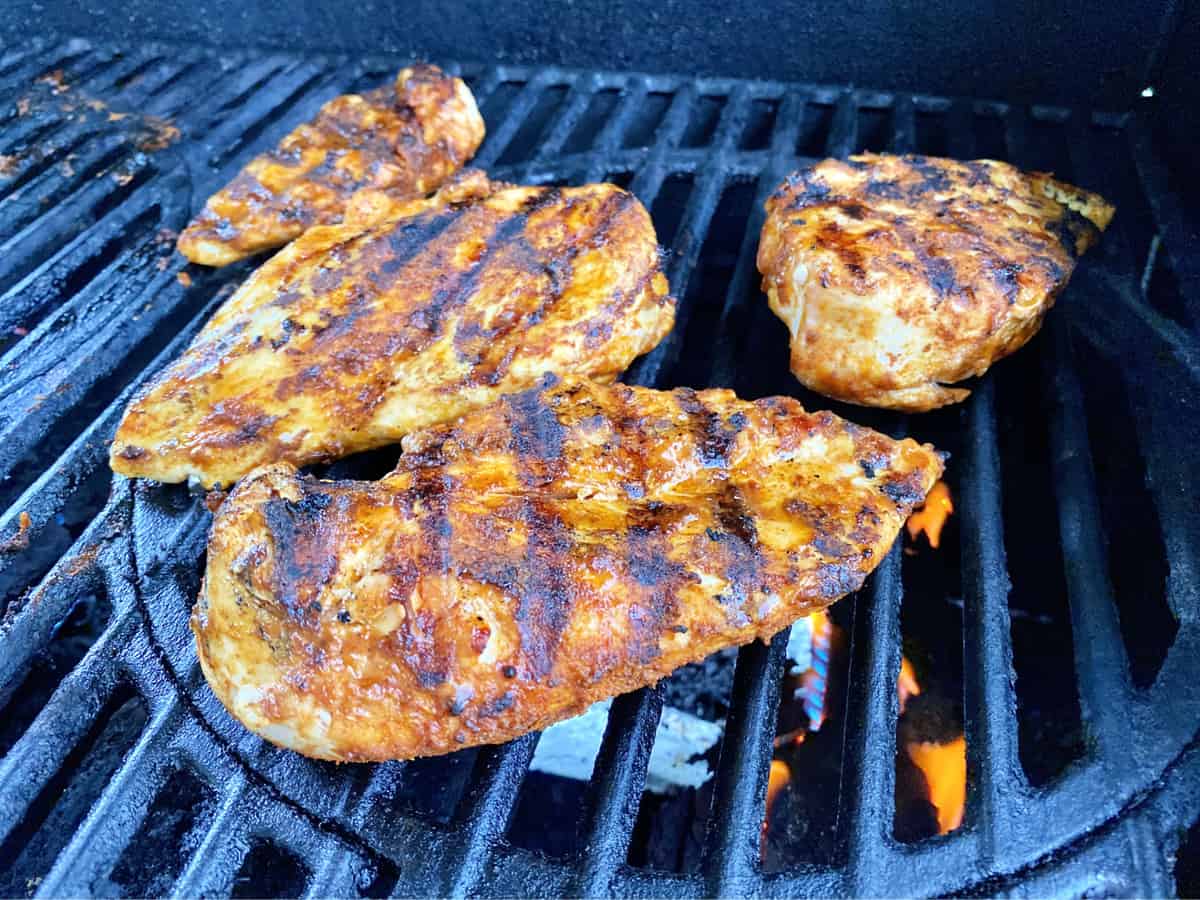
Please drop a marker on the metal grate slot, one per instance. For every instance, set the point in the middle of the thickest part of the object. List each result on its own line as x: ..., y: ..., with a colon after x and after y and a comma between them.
x: 931, y: 626
x: 155, y: 856
x: 1137, y: 563
x: 645, y: 121
x: 1049, y: 723
x: 708, y: 286
x: 270, y: 871
x: 528, y: 136
x: 874, y: 128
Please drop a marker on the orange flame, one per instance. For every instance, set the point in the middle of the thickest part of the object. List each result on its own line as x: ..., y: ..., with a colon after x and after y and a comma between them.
x: 931, y: 517
x: 907, y: 684
x: 778, y: 778
x: 945, y: 770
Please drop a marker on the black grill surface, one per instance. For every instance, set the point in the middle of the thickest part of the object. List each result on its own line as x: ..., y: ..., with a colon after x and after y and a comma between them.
x: 121, y: 773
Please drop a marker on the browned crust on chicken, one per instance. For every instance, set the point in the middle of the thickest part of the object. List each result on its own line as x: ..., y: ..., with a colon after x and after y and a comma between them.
x: 898, y: 275
x: 407, y: 315
x: 407, y: 138
x: 566, y: 544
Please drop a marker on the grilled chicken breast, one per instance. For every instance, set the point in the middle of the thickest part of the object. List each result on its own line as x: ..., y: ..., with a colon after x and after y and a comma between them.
x: 407, y: 138
x: 900, y: 275
x: 406, y: 315
x: 568, y: 543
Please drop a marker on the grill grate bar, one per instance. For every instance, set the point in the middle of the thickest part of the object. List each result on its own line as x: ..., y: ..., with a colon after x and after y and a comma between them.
x: 904, y: 125
x: 843, y: 132
x: 496, y: 142
x: 41, y: 751
x: 1101, y: 664
x: 579, y: 94
x: 743, y: 284
x: 115, y: 817
x: 608, y: 141
x: 36, y: 66
x: 615, y: 791
x: 710, y: 182
x: 293, y: 94
x: 487, y: 809
x: 871, y: 727
x: 731, y: 853
x: 215, y: 861
x: 990, y: 701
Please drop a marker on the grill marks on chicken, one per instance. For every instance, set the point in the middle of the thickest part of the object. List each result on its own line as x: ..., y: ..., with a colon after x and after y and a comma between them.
x: 899, y: 275
x: 407, y: 138
x: 406, y: 315
x: 565, y: 544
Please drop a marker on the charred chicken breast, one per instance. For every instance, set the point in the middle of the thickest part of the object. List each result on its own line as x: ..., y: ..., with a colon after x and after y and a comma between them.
x: 900, y: 275
x: 407, y: 138
x: 568, y: 543
x: 406, y: 315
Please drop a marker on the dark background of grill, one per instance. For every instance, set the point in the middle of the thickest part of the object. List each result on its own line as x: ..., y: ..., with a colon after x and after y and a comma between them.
x: 179, y: 771
x: 1075, y: 51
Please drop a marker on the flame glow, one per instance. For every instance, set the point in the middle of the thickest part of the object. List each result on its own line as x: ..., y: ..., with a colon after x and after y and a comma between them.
x: 813, y: 682
x: 945, y: 770
x: 779, y: 777
x: 931, y: 517
x: 906, y: 685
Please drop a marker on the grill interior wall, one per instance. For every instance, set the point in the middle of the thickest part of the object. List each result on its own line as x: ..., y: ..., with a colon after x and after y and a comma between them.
x: 91, y: 303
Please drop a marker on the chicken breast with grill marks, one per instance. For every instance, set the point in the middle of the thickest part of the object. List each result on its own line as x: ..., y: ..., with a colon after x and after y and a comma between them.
x: 406, y: 315
x: 568, y: 543
x: 900, y: 275
x: 407, y: 138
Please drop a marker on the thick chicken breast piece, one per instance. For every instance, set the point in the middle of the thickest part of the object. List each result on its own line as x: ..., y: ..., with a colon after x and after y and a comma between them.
x: 408, y: 138
x: 406, y: 315
x: 568, y: 543
x: 900, y: 275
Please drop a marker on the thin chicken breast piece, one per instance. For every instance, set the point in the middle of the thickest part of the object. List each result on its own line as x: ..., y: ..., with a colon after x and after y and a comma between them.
x: 900, y: 275
x: 406, y: 315
x: 568, y: 543
x: 407, y: 137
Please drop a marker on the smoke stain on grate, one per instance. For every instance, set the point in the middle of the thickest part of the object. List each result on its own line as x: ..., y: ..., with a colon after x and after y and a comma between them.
x: 59, y: 809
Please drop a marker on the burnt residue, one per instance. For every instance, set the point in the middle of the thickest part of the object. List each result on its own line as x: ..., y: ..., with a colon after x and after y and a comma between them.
x: 714, y: 438
x: 303, y: 535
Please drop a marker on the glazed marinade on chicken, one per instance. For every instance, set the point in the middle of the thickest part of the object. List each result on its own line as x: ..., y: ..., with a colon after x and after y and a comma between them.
x: 407, y: 137
x: 900, y: 275
x: 406, y: 315
x: 568, y: 543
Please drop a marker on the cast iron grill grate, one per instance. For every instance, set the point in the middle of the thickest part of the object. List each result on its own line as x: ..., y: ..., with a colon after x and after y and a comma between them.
x: 93, y: 182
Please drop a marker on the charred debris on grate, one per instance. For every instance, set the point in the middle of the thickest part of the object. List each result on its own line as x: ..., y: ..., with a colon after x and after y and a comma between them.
x: 699, y: 154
